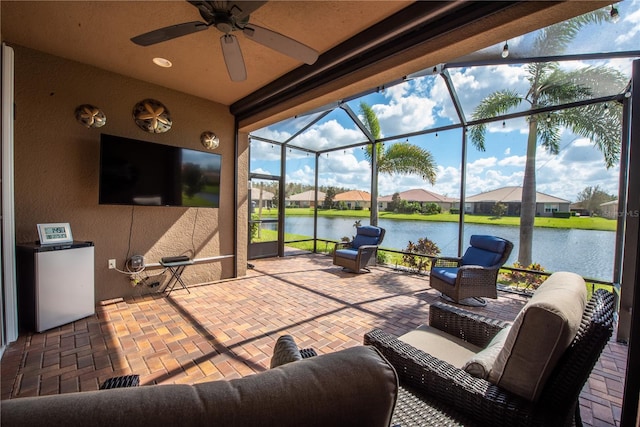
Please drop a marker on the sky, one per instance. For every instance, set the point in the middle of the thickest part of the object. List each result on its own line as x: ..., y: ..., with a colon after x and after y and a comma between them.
x: 424, y: 103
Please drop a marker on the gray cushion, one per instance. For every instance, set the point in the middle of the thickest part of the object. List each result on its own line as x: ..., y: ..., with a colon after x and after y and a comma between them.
x: 541, y: 332
x: 356, y: 386
x: 481, y: 363
x: 439, y: 344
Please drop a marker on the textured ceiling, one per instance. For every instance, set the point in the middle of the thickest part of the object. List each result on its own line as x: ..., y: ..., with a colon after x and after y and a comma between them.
x: 98, y: 32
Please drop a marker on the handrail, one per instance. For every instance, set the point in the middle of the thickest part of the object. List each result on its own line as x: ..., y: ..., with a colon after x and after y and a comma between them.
x: 591, y: 281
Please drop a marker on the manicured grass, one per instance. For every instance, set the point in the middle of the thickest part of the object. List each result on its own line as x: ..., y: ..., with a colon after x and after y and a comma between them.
x: 578, y: 222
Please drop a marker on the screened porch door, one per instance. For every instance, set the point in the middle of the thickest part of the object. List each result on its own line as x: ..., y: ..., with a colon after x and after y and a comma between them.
x: 264, y: 219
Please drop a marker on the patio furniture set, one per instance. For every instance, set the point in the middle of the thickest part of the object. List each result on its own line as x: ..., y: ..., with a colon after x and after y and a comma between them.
x: 460, y: 369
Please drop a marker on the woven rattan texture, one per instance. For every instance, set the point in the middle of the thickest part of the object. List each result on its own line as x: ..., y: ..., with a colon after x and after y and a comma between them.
x: 491, y: 405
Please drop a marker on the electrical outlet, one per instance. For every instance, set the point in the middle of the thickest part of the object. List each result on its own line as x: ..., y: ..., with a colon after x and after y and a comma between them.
x: 112, y: 264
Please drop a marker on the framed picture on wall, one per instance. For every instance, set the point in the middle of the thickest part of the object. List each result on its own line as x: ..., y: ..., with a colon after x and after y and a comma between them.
x: 55, y: 233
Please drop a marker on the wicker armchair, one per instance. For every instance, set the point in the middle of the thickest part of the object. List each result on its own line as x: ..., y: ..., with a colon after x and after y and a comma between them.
x: 475, y: 274
x: 355, y: 255
x: 454, y: 395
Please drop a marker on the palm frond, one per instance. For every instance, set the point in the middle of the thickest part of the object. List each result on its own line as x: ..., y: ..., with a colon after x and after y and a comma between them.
x: 554, y: 39
x: 561, y: 87
x: 370, y: 120
x: 548, y: 132
x: 601, y: 125
x: 497, y: 103
x: 408, y: 159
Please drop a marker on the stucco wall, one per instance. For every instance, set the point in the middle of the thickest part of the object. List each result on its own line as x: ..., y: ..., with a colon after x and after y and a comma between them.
x: 57, y: 162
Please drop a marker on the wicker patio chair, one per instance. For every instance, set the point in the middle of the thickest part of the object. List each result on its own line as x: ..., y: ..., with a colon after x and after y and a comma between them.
x: 355, y: 255
x: 483, y: 402
x: 475, y: 274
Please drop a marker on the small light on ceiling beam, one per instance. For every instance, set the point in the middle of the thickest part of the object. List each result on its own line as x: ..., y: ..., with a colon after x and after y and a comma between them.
x: 615, y: 15
x: 505, y: 50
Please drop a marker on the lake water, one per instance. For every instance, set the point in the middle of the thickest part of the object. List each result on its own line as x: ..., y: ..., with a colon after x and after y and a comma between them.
x: 586, y: 252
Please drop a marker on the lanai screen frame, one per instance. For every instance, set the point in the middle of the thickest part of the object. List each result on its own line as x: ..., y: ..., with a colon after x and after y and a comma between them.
x: 442, y: 71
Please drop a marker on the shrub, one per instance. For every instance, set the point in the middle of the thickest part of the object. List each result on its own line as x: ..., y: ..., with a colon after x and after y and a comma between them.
x: 431, y: 209
x: 253, y: 227
x: 499, y: 209
x: 562, y: 214
x: 423, y: 247
x: 522, y: 279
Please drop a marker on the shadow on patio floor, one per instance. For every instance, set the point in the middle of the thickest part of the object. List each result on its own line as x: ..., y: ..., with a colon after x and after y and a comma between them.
x: 227, y: 330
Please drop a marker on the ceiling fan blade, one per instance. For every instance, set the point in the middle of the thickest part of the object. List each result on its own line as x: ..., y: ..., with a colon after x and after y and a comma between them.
x: 242, y: 9
x: 281, y: 43
x: 168, y: 33
x: 233, y: 57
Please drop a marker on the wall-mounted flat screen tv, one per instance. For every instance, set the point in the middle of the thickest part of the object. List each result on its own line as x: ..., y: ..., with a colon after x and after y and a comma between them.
x: 134, y: 172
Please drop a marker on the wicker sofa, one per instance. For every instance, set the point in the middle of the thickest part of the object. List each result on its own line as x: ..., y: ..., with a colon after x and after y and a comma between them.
x: 351, y: 387
x: 534, y: 369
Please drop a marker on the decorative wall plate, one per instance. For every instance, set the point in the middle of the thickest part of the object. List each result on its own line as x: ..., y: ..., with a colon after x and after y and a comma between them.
x: 152, y: 116
x: 209, y: 140
x: 90, y: 116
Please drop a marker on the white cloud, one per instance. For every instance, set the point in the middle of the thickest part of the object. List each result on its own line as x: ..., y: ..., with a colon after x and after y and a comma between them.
x: 633, y: 23
x: 517, y: 161
x: 329, y: 134
x: 405, y: 112
x: 481, y: 164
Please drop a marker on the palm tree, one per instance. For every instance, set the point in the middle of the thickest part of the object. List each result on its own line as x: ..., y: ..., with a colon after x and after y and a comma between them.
x: 550, y: 85
x: 398, y: 158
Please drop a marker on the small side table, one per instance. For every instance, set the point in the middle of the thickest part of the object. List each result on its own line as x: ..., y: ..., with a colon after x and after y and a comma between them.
x: 176, y: 269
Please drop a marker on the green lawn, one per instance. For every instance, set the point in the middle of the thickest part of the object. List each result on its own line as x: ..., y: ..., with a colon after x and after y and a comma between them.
x: 584, y: 223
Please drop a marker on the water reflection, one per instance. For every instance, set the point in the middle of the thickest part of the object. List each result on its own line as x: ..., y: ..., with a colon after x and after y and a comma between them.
x: 586, y: 252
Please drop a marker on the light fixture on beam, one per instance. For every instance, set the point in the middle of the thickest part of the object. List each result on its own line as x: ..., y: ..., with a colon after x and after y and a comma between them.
x: 615, y: 15
x: 505, y: 50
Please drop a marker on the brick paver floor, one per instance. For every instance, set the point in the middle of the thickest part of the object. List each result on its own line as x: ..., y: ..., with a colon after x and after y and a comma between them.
x: 227, y: 330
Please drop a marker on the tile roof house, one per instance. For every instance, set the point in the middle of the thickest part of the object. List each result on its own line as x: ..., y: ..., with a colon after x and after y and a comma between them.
x: 266, y: 197
x: 306, y: 199
x: 483, y: 203
x: 421, y: 196
x: 354, y: 199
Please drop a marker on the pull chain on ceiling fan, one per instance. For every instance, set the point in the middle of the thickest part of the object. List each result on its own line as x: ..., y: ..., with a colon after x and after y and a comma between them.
x: 229, y: 17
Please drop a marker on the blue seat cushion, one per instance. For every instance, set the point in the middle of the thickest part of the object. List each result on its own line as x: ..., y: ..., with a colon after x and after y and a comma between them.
x: 347, y: 253
x: 366, y: 235
x: 446, y: 274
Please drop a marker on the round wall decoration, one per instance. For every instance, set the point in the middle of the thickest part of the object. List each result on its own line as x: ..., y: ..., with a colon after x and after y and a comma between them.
x: 209, y: 140
x: 152, y: 116
x: 90, y: 116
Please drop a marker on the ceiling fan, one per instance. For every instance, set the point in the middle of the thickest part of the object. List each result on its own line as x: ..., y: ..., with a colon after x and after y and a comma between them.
x: 228, y: 17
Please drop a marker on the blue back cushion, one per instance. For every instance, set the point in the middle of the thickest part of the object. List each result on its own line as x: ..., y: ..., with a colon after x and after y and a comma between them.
x: 484, y: 250
x: 366, y: 235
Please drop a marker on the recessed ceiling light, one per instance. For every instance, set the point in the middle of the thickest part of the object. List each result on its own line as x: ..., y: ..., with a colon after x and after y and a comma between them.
x: 161, y: 62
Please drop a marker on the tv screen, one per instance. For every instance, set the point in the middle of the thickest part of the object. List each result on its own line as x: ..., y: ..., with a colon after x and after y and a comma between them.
x: 134, y: 172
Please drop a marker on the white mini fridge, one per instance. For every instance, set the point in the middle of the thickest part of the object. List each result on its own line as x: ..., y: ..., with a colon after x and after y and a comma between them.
x: 55, y: 284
